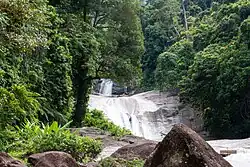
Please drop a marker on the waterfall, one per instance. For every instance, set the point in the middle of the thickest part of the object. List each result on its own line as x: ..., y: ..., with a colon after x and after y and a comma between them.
x: 106, y: 87
x: 142, y: 116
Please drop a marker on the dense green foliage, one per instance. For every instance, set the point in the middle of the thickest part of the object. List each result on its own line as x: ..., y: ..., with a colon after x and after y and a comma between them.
x: 96, y: 118
x: 210, y: 64
x: 159, y: 23
x: 50, y: 51
x: 34, y: 63
x: 173, y: 64
x: 218, y: 80
x: 114, y: 162
x: 17, y: 104
x: 31, y: 138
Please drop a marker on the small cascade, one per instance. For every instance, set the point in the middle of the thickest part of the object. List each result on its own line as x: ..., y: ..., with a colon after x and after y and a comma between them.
x: 121, y: 111
x: 106, y: 87
x: 136, y: 126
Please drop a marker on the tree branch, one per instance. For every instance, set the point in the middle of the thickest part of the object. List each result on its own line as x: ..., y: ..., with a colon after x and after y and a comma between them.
x: 176, y: 31
x: 185, y: 16
x: 95, y: 18
x: 100, y: 19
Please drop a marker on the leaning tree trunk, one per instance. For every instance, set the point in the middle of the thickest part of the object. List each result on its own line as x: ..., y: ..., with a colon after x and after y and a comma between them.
x: 185, y: 16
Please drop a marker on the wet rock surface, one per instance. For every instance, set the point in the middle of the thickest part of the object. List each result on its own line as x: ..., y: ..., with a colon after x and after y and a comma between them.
x: 95, y: 133
x: 182, y: 147
x: 133, y: 139
x: 116, y: 88
x: 149, y: 114
x: 171, y: 111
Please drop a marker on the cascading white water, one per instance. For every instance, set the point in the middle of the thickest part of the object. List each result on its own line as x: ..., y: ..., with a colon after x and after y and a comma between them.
x: 106, y: 87
x: 118, y: 110
x: 136, y: 113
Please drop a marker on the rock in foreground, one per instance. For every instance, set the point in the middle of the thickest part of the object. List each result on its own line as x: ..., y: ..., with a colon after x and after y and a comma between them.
x: 136, y: 150
x: 182, y: 147
x: 8, y: 161
x: 52, y: 159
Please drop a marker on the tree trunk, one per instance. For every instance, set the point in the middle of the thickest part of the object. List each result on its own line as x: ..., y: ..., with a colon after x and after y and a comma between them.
x: 82, y: 97
x: 85, y: 10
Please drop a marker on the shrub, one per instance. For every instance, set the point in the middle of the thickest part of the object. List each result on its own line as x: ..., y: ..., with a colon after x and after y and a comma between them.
x: 173, y: 64
x: 166, y: 73
x: 34, y: 139
x: 7, y: 137
x: 96, y: 118
x: 113, y: 162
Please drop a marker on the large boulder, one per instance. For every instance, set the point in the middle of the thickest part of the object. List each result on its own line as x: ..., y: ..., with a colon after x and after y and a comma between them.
x: 8, y: 161
x: 182, y: 147
x: 52, y: 159
x: 133, y: 151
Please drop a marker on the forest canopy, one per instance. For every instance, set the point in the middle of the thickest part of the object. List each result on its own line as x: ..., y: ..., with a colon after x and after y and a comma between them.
x: 203, y: 51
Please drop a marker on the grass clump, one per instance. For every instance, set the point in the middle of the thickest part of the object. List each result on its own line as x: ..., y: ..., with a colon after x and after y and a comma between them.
x: 96, y: 118
x: 7, y: 137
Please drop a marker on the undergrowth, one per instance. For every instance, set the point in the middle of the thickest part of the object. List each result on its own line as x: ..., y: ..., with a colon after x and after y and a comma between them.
x: 32, y: 138
x: 96, y: 118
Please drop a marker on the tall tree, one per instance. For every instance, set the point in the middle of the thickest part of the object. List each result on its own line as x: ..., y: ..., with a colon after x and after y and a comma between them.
x: 105, y: 41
